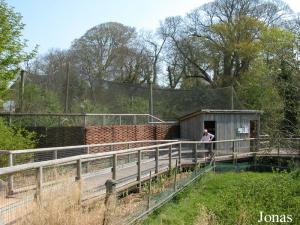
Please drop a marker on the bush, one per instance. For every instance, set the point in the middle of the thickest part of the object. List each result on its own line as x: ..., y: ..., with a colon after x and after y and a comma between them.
x: 14, y: 138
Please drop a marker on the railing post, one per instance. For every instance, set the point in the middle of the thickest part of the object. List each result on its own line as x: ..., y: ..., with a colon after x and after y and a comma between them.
x: 179, y: 157
x: 120, y: 120
x: 10, y: 177
x: 39, y: 186
x: 134, y: 119
x: 139, y: 169
x: 175, y: 177
x: 195, y: 154
x: 156, y: 160
x: 234, y: 154
x: 55, y: 154
x: 150, y: 187
x: 114, y: 169
x: 170, y: 159
x: 79, y: 178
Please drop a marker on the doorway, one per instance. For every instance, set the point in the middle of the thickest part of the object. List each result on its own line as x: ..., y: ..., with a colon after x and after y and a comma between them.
x: 211, y: 128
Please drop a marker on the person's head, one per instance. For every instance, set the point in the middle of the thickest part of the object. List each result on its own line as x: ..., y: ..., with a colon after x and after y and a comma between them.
x: 205, y: 131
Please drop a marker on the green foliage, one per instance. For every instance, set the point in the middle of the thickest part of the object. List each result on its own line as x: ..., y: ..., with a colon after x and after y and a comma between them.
x: 14, y: 138
x: 234, y: 198
x: 11, y: 45
x: 133, y: 104
x: 39, y: 100
x: 257, y: 89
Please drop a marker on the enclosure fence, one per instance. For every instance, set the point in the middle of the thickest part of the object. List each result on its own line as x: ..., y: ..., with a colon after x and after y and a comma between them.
x: 77, y: 119
x: 116, y: 97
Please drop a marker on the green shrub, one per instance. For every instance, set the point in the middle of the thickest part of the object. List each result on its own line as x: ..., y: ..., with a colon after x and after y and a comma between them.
x: 14, y: 138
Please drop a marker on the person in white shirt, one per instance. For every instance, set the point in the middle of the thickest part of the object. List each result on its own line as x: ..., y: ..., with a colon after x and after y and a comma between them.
x: 207, y: 136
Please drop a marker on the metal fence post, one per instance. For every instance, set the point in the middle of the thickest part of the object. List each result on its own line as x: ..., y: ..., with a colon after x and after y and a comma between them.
x: 157, y: 160
x: 10, y: 177
x: 39, y: 186
x: 103, y: 120
x: 114, y: 169
x: 120, y: 120
x: 139, y: 171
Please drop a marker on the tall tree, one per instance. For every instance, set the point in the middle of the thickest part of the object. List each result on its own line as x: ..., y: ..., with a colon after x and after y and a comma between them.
x: 12, y: 45
x: 221, y: 38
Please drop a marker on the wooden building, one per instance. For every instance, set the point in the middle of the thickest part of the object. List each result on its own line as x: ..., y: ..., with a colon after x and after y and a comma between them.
x: 224, y: 124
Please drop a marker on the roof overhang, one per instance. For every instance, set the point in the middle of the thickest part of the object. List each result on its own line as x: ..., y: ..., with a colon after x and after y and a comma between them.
x: 220, y: 111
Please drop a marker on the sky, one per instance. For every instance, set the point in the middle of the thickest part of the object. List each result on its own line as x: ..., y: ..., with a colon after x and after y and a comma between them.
x: 55, y: 24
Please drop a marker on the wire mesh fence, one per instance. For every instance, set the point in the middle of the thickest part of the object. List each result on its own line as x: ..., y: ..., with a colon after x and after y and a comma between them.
x: 40, y: 120
x: 116, y: 97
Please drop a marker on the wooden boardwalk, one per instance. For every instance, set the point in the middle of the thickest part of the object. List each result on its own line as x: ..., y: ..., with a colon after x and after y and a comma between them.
x: 127, y: 175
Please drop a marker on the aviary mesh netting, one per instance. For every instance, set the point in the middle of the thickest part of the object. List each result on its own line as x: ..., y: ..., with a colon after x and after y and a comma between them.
x: 116, y: 97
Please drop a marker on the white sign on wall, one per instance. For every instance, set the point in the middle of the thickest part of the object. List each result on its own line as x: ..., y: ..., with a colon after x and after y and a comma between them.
x: 243, y: 130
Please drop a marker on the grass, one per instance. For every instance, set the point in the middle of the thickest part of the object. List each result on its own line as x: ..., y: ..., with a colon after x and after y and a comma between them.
x: 233, y: 198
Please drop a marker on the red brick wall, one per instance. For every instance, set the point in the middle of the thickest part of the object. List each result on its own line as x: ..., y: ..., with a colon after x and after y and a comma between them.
x: 122, y: 133
x: 66, y: 136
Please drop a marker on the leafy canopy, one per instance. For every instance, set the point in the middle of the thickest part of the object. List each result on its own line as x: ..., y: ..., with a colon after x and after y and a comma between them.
x: 12, y: 45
